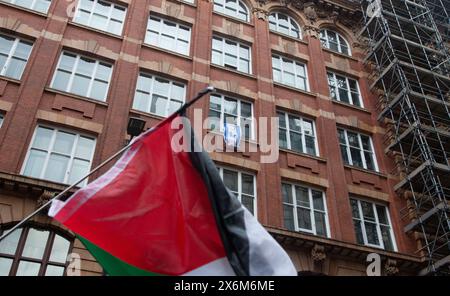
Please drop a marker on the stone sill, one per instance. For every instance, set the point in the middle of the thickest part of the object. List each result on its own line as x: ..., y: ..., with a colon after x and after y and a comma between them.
x: 74, y: 96
x: 233, y: 18
x: 284, y: 36
x: 166, y: 51
x: 351, y: 106
x: 15, y: 81
x: 251, y: 76
x: 81, y: 26
x: 384, y: 176
x: 339, y: 54
x: 149, y: 115
x: 295, y: 89
x: 318, y: 158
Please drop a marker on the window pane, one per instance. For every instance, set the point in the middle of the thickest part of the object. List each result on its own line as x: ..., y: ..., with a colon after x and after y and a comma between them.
x: 344, y: 154
x: 84, y: 148
x: 144, y: 83
x: 367, y: 210
x: 320, y: 224
x: 248, y: 201
x: 382, y: 217
x: 80, y: 168
x: 60, y: 249
x: 141, y: 102
x: 9, y: 244
x: 372, y: 233
x: 358, y: 232
x: 247, y: 184
x: 42, y: 138
x: 85, y: 67
x: 304, y: 218
x: 286, y: 190
x: 28, y: 269
x: 295, y: 123
x: 355, y: 209
x: 310, y: 145
x: 230, y: 106
x: 296, y: 142
x: 318, y: 200
x: 61, y: 81
x: 283, y: 139
x: 159, y: 105
x: 356, y: 157
x: 64, y: 143
x: 5, y: 266
x: 103, y: 72
x: 177, y: 92
x: 246, y: 110
x: 54, y: 271
x: 369, y: 161
x: 67, y: 62
x: 57, y: 168
x: 288, y: 217
x: 35, y: 163
x: 302, y: 196
x: 99, y: 90
x: 15, y: 68
x: 387, y: 239
x: 35, y: 243
x: 80, y: 85
x: 230, y: 179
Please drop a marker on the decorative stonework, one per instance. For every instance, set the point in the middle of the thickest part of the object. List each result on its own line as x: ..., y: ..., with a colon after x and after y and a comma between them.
x: 173, y: 9
x: 261, y: 13
x: 309, y: 9
x: 44, y: 198
x: 165, y: 67
x: 318, y: 254
x: 232, y: 28
x: 233, y: 86
x: 312, y: 31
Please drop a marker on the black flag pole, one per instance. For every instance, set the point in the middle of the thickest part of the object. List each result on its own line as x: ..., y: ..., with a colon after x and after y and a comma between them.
x: 202, y: 93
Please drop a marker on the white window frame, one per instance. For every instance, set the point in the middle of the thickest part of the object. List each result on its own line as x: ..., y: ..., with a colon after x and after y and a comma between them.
x: 31, y: 7
x: 239, y: 195
x: 72, y: 75
x: 175, y: 37
x: 327, y: 41
x: 150, y: 95
x: 11, y: 54
x: 296, y: 75
x: 311, y: 209
x: 377, y: 222
x: 237, y: 53
x: 2, y: 118
x: 109, y: 16
x: 223, y: 4
x: 50, y: 151
x: 349, y: 92
x: 288, y: 132
x: 239, y: 116
x: 360, y: 148
x: 292, y: 24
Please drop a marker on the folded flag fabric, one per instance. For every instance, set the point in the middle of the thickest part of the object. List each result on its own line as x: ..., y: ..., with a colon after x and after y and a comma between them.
x: 162, y: 212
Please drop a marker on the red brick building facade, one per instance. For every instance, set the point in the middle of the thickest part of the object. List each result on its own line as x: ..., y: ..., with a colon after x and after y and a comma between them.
x: 59, y: 38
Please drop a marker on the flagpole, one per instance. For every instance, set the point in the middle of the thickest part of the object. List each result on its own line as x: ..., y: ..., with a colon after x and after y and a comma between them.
x: 203, y: 92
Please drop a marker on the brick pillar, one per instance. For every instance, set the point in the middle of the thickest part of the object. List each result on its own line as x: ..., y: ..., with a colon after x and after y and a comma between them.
x: 268, y: 179
x: 340, y: 216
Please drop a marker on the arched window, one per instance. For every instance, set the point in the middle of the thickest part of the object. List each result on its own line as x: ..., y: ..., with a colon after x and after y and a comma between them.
x: 32, y: 251
x: 234, y: 8
x: 334, y: 41
x: 284, y: 24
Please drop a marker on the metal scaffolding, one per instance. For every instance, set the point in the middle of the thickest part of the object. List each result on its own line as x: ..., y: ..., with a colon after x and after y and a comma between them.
x: 407, y: 53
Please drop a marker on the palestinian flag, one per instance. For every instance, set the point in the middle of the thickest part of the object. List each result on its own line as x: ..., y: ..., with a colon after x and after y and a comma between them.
x: 162, y: 212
